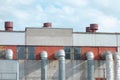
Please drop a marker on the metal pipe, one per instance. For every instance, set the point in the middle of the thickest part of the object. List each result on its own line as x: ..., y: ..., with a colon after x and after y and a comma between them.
x: 90, y: 65
x: 44, y: 56
x: 116, y: 57
x: 109, y: 65
x: 9, y: 54
x: 61, y: 56
x: 17, y: 70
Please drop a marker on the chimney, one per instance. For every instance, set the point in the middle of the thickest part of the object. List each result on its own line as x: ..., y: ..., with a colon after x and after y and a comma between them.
x: 47, y: 25
x: 88, y: 29
x: 93, y: 27
x: 8, y: 26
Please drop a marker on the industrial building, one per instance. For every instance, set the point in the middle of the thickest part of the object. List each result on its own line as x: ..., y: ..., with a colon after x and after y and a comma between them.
x: 47, y: 53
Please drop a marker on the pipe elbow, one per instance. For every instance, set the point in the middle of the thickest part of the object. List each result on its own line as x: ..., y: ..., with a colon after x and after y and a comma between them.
x: 9, y: 54
x: 90, y: 55
x: 43, y: 54
x: 107, y: 54
x: 116, y: 56
x: 60, y: 53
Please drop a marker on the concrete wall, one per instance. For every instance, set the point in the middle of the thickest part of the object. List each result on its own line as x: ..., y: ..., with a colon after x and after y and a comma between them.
x: 9, y: 70
x: 49, y: 36
x: 12, y: 38
x: 118, y: 36
x: 75, y: 69
x: 95, y: 39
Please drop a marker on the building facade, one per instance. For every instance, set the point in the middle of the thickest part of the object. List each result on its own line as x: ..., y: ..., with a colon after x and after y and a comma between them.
x: 27, y: 46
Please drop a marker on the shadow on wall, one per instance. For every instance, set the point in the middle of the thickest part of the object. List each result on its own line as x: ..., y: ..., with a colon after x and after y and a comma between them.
x: 75, y: 69
x: 31, y: 69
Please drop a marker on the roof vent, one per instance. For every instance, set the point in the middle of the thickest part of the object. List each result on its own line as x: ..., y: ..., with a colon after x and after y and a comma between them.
x: 88, y: 29
x: 93, y: 27
x: 47, y: 25
x: 8, y: 26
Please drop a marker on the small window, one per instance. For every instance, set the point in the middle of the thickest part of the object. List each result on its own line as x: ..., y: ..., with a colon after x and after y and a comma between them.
x: 31, y: 52
x: 67, y: 52
x: 77, y: 53
x: 21, y: 52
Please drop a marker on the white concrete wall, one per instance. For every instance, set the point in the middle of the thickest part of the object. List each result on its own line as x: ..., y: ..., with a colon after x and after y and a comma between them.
x: 89, y: 39
x: 75, y: 69
x: 49, y: 37
x: 118, y: 36
x: 12, y: 38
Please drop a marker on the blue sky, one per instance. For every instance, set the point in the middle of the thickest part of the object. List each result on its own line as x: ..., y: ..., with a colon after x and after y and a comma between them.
x: 76, y: 14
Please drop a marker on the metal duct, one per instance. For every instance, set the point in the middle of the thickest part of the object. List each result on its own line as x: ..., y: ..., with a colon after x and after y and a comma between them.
x: 116, y: 66
x: 17, y: 70
x: 44, y: 56
x: 61, y: 56
x: 47, y: 25
x: 109, y: 65
x: 8, y: 26
x: 8, y: 54
x: 90, y: 65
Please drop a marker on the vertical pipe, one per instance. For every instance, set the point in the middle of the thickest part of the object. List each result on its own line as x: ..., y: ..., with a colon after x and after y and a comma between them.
x: 61, y: 56
x: 116, y: 66
x: 109, y: 65
x: 17, y: 74
x: 90, y: 65
x: 44, y: 56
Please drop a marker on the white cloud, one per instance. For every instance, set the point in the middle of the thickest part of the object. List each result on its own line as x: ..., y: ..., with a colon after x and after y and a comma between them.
x: 22, y: 15
x: 106, y: 22
x: 68, y: 13
x: 76, y: 2
x: 109, y: 23
x: 18, y: 2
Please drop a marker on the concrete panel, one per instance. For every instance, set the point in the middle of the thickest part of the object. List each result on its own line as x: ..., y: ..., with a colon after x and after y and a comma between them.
x: 22, y: 70
x: 9, y: 69
x: 99, y: 68
x: 118, y: 36
x: 12, y: 38
x: 106, y: 40
x: 83, y: 40
x: 30, y: 69
x: 49, y: 37
x: 89, y: 39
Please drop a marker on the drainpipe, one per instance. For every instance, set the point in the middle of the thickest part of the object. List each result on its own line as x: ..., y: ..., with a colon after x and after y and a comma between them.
x: 116, y: 66
x: 61, y: 56
x: 109, y: 65
x: 9, y: 54
x: 44, y: 56
x: 90, y: 65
